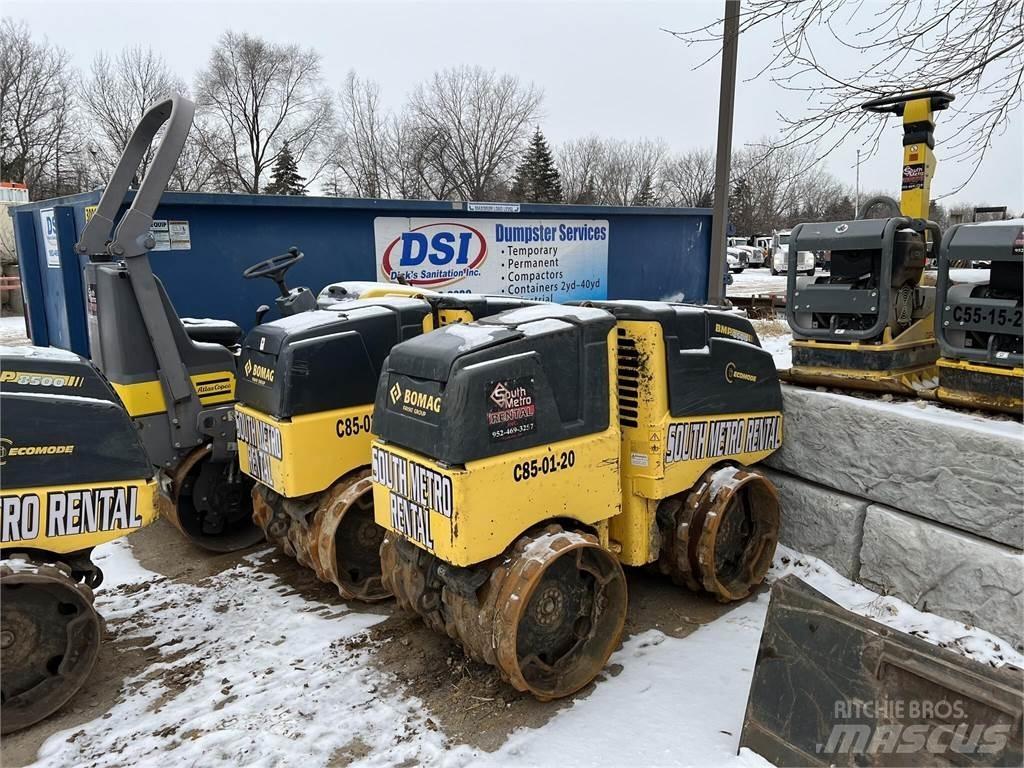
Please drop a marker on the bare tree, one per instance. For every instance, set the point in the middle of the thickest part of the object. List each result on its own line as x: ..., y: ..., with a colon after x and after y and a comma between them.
x: 197, y: 167
x: 257, y: 95
x: 413, y: 168
x: 39, y: 137
x: 767, y: 190
x: 628, y: 173
x: 579, y: 162
x: 972, y: 48
x: 471, y: 125
x: 822, y: 197
x: 117, y: 93
x: 688, y: 179
x: 377, y: 153
x: 360, y: 148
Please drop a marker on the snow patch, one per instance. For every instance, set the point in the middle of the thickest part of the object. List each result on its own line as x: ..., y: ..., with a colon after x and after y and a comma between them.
x: 968, y: 641
x: 969, y: 275
x: 674, y: 702
x: 544, y: 311
x: 723, y: 478
x: 247, y: 672
x: 12, y: 330
x: 38, y: 353
x: 119, y: 565
x: 548, y: 325
x: 473, y: 335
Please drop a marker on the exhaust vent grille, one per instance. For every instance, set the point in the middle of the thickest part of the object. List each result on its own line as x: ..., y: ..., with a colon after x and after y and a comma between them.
x: 629, y: 381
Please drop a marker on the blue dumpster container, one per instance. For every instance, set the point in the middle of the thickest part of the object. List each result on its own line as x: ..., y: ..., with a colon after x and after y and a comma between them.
x: 204, y: 241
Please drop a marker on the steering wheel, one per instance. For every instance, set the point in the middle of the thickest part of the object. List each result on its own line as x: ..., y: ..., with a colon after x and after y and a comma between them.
x: 275, y: 267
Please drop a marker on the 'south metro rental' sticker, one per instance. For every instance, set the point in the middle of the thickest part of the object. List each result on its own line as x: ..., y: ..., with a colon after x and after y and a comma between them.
x: 511, y: 408
x: 913, y: 176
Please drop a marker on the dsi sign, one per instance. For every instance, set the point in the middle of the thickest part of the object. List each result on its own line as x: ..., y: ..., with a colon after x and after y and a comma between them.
x: 48, y: 223
x: 546, y: 259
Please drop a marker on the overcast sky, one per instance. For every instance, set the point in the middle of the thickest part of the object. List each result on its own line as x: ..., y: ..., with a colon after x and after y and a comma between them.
x: 605, y: 68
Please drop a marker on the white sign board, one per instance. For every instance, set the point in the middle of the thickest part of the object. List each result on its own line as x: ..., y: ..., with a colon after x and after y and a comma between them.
x: 181, y: 237
x: 49, y: 225
x: 541, y: 259
x: 171, y: 235
x: 161, y: 235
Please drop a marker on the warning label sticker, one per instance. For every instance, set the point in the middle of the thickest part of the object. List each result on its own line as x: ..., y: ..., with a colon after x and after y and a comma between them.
x: 512, y: 410
x: 171, y: 235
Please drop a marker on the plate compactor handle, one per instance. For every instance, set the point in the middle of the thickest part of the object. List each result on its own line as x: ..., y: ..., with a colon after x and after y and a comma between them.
x: 132, y: 237
x: 894, y: 104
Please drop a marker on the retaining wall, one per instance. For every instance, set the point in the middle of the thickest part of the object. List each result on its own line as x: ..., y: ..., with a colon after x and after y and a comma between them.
x: 911, y: 500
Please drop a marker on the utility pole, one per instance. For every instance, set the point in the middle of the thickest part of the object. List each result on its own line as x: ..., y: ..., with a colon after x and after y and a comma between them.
x: 856, y: 205
x: 726, y: 102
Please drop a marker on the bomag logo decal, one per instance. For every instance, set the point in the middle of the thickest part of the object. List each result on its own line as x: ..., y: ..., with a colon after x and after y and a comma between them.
x: 414, y: 402
x: 69, y: 513
x: 435, y: 255
x: 260, y: 374
x: 714, y: 438
x: 414, y: 490
x: 40, y: 379
x: 421, y: 401
x: 733, y: 374
x: 735, y: 333
x: 9, y: 450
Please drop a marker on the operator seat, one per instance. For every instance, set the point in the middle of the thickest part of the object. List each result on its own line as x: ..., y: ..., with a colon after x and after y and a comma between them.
x: 223, y: 332
x: 120, y: 345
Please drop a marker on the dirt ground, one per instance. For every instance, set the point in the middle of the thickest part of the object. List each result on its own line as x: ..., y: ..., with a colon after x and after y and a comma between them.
x: 467, y: 701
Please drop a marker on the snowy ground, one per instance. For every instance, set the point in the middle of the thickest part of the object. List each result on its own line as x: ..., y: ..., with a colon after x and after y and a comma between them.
x: 12, y: 331
x: 756, y: 281
x: 247, y: 671
x: 242, y: 668
x: 752, y: 282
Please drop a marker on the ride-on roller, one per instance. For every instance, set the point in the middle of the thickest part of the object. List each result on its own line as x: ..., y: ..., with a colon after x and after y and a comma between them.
x: 868, y: 324
x: 978, y: 324
x: 523, y: 459
x: 175, y: 376
x: 305, y: 393
x: 73, y: 475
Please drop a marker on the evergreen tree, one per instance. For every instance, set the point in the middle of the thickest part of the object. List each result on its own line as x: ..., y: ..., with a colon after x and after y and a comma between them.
x: 285, y: 178
x: 537, y: 179
x: 645, y: 194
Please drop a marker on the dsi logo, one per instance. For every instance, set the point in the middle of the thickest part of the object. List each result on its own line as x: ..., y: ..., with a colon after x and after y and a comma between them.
x: 435, y: 255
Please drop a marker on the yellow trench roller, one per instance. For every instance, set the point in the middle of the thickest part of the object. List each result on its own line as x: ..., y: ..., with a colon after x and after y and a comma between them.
x: 339, y: 540
x: 304, y: 418
x: 523, y: 604
x: 563, y: 443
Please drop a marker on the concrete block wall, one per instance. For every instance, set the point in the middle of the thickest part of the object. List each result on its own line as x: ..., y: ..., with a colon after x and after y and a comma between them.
x: 911, y: 500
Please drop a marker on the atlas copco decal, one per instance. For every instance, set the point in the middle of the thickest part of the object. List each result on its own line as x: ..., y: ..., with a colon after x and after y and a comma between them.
x: 435, y: 255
